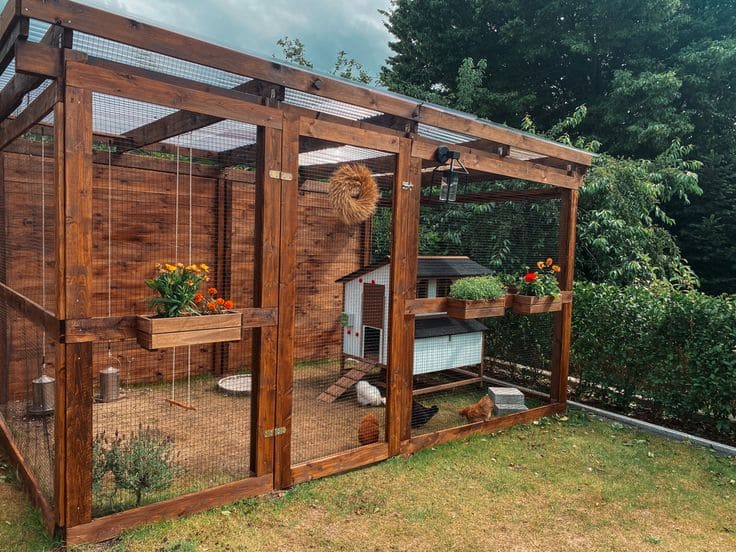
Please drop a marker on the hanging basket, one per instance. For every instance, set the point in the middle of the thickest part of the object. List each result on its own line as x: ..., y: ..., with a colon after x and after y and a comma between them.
x: 353, y: 193
x: 466, y: 310
x: 530, y: 304
x: 157, y: 333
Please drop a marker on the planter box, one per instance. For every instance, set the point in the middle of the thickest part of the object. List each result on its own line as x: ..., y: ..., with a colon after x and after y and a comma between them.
x: 530, y: 304
x: 158, y: 333
x: 466, y: 310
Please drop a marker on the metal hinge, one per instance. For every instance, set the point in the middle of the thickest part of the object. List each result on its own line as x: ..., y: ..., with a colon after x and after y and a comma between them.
x: 275, y: 432
x: 407, y: 185
x: 281, y: 175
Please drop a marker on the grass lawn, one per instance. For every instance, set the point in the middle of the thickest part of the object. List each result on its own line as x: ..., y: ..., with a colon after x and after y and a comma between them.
x: 567, y: 484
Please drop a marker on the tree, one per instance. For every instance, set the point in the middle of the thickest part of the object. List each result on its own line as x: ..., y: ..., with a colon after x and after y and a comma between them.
x: 649, y: 72
x: 345, y: 67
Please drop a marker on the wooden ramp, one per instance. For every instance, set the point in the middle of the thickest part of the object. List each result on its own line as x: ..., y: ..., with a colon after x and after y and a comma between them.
x: 350, y: 378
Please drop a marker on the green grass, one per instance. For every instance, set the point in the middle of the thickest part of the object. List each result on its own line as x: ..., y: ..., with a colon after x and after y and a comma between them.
x: 560, y: 484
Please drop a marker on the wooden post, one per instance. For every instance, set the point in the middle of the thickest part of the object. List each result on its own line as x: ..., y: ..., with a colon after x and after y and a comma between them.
x: 404, y: 248
x: 287, y: 298
x: 4, y: 341
x: 563, y: 319
x: 265, y: 353
x: 76, y: 274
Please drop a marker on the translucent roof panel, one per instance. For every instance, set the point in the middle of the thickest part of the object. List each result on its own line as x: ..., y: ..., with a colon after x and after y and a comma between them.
x: 325, y: 105
x: 341, y: 154
x: 222, y: 136
x: 113, y: 115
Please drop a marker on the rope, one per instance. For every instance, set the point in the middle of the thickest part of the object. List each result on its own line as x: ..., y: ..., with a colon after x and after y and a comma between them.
x: 109, y: 230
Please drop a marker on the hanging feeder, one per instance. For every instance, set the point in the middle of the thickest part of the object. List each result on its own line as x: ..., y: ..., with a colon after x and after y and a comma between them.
x: 450, y: 175
x: 44, y: 393
x: 110, y: 380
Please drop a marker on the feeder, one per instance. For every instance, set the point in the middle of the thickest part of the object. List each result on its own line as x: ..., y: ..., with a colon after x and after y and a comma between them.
x: 110, y: 380
x: 43, y: 396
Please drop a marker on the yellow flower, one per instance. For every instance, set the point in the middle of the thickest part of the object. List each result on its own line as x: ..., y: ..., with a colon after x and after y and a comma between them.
x: 540, y: 264
x: 192, y: 268
x: 180, y: 265
x: 170, y: 267
x: 549, y: 261
x: 204, y: 267
x: 555, y: 268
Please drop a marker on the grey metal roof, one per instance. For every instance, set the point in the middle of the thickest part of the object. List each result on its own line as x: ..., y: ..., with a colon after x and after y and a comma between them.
x: 430, y: 267
x: 436, y: 327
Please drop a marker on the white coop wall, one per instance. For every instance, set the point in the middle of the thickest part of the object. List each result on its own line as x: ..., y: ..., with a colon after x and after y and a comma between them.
x: 432, y: 354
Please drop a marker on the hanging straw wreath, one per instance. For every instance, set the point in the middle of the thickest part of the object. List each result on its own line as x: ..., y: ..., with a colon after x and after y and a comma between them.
x: 353, y: 193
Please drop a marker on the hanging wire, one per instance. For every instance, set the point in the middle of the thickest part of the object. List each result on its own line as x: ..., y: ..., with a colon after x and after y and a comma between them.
x: 189, y: 348
x: 176, y: 259
x: 43, y: 243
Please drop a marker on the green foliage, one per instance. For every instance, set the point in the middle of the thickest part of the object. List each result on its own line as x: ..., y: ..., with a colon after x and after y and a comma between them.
x: 176, y: 286
x: 142, y: 463
x: 345, y: 67
x: 100, y: 464
x: 294, y: 51
x: 667, y: 354
x: 477, y: 288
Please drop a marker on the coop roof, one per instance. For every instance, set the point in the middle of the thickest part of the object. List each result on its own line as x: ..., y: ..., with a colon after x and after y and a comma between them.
x: 430, y: 267
x: 439, y: 326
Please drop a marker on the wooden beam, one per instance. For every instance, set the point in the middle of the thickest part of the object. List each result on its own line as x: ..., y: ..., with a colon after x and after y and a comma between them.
x: 504, y: 166
x: 339, y: 463
x: 182, y: 122
x: 404, y: 247
x: 40, y: 59
x: 118, y: 80
x: 31, y: 310
x: 5, y: 341
x: 287, y: 300
x: 122, y: 29
x: 78, y: 282
x: 266, y: 277
x: 108, y: 527
x: 17, y: 32
x: 20, y: 84
x: 10, y: 129
x: 415, y: 444
x: 10, y: 13
x: 562, y: 333
x: 362, y: 138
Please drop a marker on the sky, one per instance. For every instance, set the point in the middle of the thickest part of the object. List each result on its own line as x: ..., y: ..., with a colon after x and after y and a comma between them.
x: 254, y: 26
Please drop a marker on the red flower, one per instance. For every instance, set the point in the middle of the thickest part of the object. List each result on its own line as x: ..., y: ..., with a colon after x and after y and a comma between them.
x: 530, y: 277
x: 220, y: 301
x: 229, y: 304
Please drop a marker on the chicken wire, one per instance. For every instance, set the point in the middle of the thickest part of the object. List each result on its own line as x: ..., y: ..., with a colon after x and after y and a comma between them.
x: 336, y: 344
x: 190, y: 199
x: 472, y: 237
x: 28, y: 268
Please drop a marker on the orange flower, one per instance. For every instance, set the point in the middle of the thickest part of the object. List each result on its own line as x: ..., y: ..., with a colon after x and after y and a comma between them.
x: 212, y: 291
x: 229, y: 304
x: 549, y: 261
x: 220, y: 301
x: 211, y: 305
x: 198, y: 298
x: 555, y: 268
x: 540, y: 264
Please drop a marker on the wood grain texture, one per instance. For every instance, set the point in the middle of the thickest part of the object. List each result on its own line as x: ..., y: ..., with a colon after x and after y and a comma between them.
x: 10, y: 129
x: 339, y: 463
x: 467, y: 310
x: 108, y: 527
x: 317, y: 128
x: 416, y: 444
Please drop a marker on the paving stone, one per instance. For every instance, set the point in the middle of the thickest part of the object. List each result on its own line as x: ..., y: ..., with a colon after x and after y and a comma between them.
x: 506, y: 396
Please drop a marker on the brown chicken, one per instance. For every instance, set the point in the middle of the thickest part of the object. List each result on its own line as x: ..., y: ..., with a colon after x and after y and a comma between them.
x: 478, y: 412
x: 368, y: 430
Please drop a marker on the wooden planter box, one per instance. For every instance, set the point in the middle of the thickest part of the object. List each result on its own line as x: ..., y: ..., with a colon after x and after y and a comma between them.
x: 530, y: 304
x: 466, y: 310
x: 158, y: 333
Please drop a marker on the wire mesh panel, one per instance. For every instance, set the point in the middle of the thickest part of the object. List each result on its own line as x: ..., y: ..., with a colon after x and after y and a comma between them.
x: 341, y: 334
x: 28, y: 275
x: 460, y: 359
x: 165, y: 420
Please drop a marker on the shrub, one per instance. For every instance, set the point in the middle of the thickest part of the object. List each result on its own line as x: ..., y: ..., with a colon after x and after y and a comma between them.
x: 656, y: 350
x: 477, y: 288
x: 142, y: 463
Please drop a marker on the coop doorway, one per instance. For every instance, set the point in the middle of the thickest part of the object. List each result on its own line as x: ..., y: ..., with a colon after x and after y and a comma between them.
x: 371, y: 343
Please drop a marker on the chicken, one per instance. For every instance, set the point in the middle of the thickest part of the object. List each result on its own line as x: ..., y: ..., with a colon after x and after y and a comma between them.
x: 368, y: 395
x: 368, y: 430
x: 479, y: 411
x: 420, y: 414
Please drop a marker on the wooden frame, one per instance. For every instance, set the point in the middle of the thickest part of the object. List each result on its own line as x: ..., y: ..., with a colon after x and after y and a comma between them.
x: 261, y: 102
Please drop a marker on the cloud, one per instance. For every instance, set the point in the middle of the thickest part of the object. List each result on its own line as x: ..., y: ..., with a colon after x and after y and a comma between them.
x: 254, y: 26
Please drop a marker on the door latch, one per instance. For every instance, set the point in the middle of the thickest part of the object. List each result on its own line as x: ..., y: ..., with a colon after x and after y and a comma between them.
x: 275, y: 432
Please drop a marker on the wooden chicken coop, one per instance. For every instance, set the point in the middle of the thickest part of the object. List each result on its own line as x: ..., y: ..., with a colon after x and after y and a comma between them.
x: 123, y: 147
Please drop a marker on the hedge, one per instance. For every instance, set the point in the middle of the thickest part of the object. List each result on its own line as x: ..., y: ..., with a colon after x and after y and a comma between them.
x: 659, y: 353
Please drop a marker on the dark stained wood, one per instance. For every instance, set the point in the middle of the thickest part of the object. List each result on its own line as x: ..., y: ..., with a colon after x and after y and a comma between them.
x: 405, y: 236
x: 562, y: 335
x: 497, y: 164
x: 31, y: 310
x: 340, y: 463
x: 10, y: 129
x: 128, y: 31
x: 40, y: 59
x: 223, y: 259
x: 287, y: 300
x: 7, y: 443
x: 107, y: 527
x: 373, y: 305
x: 9, y: 14
x: 17, y: 32
x: 317, y: 128
x: 77, y: 124
x: 416, y: 444
x: 5, y: 341
x: 130, y: 83
x: 265, y: 354
x: 426, y: 305
x: 419, y: 391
